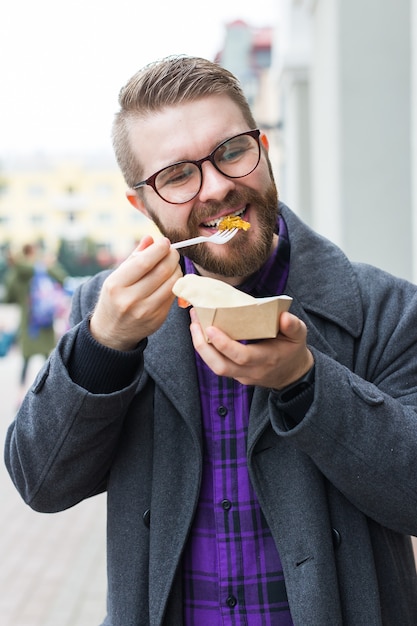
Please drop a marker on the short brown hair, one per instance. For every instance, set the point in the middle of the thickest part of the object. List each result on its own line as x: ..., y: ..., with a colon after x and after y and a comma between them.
x: 168, y: 82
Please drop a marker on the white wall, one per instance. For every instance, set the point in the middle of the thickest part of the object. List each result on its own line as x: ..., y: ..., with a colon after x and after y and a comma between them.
x: 375, y: 104
x: 361, y: 125
x: 325, y: 122
x: 291, y: 65
x: 414, y: 133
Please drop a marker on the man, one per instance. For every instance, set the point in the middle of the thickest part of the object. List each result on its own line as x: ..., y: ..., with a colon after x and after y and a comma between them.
x: 270, y: 482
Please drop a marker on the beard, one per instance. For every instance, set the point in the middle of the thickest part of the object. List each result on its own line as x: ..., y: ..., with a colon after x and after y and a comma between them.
x: 241, y: 257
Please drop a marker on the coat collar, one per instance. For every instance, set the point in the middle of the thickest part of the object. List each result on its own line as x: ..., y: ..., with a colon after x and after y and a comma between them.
x: 322, y: 280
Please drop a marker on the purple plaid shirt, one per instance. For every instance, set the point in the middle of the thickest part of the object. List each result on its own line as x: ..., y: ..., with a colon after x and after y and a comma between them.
x: 232, y: 572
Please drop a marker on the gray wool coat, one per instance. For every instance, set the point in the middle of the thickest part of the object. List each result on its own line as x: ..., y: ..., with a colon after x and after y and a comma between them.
x: 339, y: 490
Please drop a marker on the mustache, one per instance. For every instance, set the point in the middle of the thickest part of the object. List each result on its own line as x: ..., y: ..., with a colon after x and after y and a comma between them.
x: 201, y: 213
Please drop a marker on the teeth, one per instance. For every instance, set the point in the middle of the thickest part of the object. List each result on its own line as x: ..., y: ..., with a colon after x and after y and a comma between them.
x: 215, y: 223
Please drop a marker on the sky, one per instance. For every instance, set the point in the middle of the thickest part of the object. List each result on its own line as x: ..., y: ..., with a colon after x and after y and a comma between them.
x: 62, y: 64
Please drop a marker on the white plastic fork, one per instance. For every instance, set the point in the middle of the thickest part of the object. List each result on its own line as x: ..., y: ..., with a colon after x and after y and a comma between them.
x: 221, y: 236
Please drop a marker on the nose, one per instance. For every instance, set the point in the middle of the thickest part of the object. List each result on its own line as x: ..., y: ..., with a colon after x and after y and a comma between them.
x: 215, y: 185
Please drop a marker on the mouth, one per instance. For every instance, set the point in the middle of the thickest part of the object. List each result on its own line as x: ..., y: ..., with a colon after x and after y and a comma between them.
x: 215, y: 223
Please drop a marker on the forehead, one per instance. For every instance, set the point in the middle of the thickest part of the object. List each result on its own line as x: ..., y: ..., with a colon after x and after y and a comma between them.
x: 185, y: 131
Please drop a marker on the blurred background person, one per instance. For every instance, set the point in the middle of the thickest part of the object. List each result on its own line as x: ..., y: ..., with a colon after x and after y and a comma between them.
x: 34, y: 282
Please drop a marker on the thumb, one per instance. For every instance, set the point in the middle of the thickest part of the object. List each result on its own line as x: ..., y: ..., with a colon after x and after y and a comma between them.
x: 292, y: 327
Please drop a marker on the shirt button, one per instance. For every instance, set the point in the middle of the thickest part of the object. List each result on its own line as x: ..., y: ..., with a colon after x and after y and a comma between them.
x: 231, y: 601
x: 226, y: 504
x: 222, y: 411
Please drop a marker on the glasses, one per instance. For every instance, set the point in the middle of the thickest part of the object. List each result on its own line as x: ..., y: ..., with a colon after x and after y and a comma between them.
x: 181, y: 182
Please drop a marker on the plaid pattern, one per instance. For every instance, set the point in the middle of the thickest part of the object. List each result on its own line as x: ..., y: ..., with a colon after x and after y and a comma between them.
x: 232, y: 573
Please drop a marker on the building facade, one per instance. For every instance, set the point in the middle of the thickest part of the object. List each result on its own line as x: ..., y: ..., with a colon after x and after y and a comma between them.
x: 71, y: 199
x: 346, y: 77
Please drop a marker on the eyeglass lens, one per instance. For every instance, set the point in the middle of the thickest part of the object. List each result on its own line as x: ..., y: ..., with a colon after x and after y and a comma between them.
x: 234, y: 158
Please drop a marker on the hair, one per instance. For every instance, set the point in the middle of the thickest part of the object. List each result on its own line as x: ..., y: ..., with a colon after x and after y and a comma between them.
x: 169, y: 82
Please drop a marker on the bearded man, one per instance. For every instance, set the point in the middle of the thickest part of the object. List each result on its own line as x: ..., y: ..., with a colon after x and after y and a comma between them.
x: 268, y: 482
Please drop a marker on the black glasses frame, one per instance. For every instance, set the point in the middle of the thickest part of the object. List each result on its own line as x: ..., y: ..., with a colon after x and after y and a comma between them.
x: 151, y: 180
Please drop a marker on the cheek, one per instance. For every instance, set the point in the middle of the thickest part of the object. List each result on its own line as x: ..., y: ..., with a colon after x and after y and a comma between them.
x: 264, y: 176
x: 165, y: 213
x: 260, y: 180
x: 171, y: 219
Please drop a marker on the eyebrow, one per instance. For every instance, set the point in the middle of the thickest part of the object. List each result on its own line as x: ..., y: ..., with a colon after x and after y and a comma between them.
x: 186, y: 159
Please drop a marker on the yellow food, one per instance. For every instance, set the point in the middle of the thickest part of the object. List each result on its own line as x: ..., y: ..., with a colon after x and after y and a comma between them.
x: 233, y: 221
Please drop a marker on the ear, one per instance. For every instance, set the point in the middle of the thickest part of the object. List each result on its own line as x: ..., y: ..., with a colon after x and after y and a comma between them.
x: 137, y: 202
x: 264, y: 141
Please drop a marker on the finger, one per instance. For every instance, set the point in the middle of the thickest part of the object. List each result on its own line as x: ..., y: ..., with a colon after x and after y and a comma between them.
x: 222, y: 355
x: 145, y: 258
x: 292, y: 327
x: 200, y: 340
x: 145, y: 242
x: 229, y: 348
x: 222, y: 342
x: 196, y: 330
x: 216, y: 361
x: 199, y: 335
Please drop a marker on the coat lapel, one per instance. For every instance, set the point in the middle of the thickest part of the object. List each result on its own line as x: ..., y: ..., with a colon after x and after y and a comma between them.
x: 169, y: 360
x: 329, y: 289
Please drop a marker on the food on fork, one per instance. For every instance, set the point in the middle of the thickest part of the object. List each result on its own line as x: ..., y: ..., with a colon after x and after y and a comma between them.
x: 233, y: 221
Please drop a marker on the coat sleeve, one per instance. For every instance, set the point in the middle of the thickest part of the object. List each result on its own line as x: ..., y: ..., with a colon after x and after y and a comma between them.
x: 60, y: 446
x: 361, y: 429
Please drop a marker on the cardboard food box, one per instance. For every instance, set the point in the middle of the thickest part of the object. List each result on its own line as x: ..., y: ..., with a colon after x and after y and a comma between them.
x: 259, y: 320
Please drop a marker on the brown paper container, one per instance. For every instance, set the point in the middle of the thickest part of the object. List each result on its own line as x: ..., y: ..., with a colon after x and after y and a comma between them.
x: 252, y: 321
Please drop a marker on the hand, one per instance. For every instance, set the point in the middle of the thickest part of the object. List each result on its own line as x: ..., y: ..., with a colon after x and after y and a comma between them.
x: 272, y: 363
x: 136, y: 297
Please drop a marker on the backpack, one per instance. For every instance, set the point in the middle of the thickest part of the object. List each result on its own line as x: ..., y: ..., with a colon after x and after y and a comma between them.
x: 43, y: 301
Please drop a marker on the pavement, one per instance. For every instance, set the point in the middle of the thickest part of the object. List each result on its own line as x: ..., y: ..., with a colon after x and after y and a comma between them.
x: 52, y: 566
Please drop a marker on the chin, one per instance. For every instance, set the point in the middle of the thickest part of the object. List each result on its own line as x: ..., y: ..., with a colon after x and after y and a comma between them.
x: 240, y: 261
